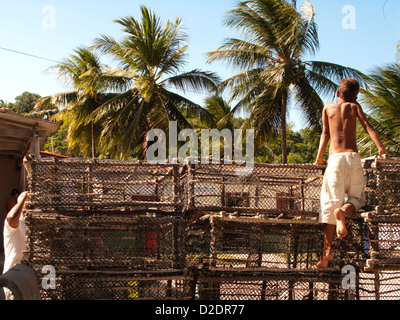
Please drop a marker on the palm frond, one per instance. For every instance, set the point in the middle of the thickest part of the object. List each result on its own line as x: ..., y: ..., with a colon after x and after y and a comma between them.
x: 334, y: 71
x: 242, y: 54
x: 195, y: 80
x: 382, y: 99
x: 310, y: 103
x: 55, y: 101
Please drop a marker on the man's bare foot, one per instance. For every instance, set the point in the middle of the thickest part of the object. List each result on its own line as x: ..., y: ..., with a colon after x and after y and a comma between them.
x: 323, y: 263
x: 341, y: 229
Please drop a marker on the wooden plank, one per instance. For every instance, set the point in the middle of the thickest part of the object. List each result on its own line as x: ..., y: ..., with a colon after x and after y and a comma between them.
x: 21, y: 133
x: 257, y: 220
x: 8, y: 146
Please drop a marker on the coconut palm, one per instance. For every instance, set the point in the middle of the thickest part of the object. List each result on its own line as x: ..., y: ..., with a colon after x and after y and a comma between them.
x: 382, y: 100
x: 151, y: 55
x: 221, y: 112
x: 89, y: 81
x: 277, y: 38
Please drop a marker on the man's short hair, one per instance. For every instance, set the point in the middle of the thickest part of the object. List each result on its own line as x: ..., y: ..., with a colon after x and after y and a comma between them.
x: 349, y: 89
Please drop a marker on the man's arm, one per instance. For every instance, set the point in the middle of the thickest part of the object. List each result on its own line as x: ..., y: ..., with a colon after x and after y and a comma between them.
x: 325, y: 136
x: 371, y: 131
x: 14, y: 214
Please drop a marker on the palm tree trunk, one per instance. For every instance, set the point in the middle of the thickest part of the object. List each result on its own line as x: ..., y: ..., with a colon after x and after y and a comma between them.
x: 93, y: 140
x: 283, y: 131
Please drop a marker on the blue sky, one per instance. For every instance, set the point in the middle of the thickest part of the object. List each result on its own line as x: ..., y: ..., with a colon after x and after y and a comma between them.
x: 362, y: 38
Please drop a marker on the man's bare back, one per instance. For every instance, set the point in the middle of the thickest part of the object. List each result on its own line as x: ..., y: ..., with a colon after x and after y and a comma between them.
x: 340, y: 128
x: 342, y: 119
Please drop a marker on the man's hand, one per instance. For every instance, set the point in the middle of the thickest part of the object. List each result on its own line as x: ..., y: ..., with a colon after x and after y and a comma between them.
x: 23, y: 196
x: 383, y: 153
x: 320, y: 162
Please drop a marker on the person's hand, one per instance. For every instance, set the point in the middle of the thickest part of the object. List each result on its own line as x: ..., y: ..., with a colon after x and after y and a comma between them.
x: 320, y: 162
x: 23, y: 196
x: 383, y: 153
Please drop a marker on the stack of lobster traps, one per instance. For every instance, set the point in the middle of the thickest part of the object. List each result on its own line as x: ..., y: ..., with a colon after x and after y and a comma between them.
x: 382, y: 224
x: 111, y: 229
x: 136, y: 230
x: 257, y: 236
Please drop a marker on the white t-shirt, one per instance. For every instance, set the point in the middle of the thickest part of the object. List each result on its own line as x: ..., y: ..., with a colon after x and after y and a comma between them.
x: 14, y: 244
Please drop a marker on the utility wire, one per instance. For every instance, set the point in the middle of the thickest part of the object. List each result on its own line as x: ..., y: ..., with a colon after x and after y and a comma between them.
x: 28, y: 54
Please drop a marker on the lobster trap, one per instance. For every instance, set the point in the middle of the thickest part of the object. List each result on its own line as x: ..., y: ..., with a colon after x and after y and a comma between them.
x: 89, y: 185
x: 273, y: 190
x: 104, y: 241
x: 228, y: 242
x: 383, y: 217
x: 271, y: 284
x: 121, y: 285
x: 379, y: 285
x: 383, y: 185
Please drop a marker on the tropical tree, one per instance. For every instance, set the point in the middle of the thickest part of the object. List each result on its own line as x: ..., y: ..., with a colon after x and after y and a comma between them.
x: 89, y: 81
x: 302, y: 147
x: 151, y: 55
x: 220, y: 111
x: 277, y: 38
x: 382, y: 100
x: 24, y: 103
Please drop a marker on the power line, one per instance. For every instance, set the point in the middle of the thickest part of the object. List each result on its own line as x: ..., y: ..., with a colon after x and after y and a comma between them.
x: 27, y: 54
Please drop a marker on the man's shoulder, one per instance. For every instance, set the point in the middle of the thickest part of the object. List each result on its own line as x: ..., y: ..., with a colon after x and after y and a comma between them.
x: 345, y: 104
x: 331, y: 105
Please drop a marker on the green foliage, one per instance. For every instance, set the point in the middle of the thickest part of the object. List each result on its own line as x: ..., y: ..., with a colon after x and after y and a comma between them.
x: 382, y: 100
x: 58, y: 144
x: 24, y: 103
x: 302, y: 147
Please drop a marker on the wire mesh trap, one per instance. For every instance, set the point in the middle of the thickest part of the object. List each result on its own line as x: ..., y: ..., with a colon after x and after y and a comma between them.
x: 104, y: 241
x: 72, y: 185
x: 121, y: 285
x: 273, y: 190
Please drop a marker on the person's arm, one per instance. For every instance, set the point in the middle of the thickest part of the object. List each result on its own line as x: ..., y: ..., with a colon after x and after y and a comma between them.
x: 14, y: 214
x: 371, y: 131
x: 325, y: 136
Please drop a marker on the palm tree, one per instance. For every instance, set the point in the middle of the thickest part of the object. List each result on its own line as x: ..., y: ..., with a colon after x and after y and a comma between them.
x: 151, y: 55
x: 382, y: 99
x: 220, y: 111
x: 277, y: 38
x: 89, y: 81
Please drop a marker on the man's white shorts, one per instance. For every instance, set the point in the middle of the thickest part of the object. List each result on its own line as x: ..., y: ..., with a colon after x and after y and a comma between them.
x: 344, y: 182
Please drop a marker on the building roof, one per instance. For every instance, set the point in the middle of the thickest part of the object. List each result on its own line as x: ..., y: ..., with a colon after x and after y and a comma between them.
x: 17, y: 133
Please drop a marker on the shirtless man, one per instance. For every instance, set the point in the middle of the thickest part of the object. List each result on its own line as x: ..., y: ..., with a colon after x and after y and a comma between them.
x: 344, y: 176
